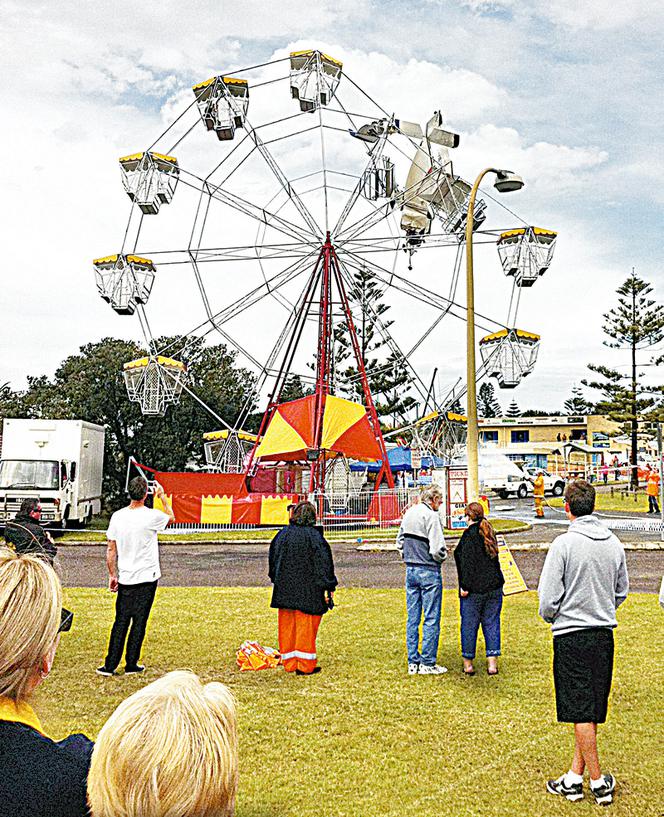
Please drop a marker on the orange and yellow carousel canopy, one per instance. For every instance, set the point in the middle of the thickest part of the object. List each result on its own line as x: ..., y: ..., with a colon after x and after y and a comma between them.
x: 346, y: 430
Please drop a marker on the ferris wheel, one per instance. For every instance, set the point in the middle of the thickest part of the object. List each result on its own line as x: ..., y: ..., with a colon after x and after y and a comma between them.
x: 255, y: 238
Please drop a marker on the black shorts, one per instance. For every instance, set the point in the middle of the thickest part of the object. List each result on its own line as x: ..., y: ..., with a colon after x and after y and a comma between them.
x: 582, y: 671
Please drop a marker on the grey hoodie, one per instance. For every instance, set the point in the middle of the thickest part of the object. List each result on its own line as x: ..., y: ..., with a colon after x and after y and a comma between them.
x: 584, y: 578
x: 420, y: 539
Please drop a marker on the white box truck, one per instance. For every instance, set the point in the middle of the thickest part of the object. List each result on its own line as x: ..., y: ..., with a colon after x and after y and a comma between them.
x: 60, y: 462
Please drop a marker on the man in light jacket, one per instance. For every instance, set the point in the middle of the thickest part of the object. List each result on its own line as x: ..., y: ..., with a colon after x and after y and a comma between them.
x: 583, y: 581
x: 422, y: 546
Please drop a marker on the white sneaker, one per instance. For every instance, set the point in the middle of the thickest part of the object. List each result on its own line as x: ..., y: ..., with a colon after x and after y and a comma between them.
x: 436, y: 669
x: 413, y: 669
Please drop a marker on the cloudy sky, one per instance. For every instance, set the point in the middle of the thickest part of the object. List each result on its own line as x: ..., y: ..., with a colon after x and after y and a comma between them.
x: 566, y: 94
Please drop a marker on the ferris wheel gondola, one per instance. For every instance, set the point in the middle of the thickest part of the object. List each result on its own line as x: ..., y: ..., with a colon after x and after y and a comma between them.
x: 223, y: 103
x: 124, y: 281
x: 154, y: 382
x: 526, y: 253
x: 150, y: 179
x: 509, y: 355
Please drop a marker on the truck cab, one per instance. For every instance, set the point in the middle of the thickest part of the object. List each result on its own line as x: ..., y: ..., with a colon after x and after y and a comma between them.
x: 59, y: 462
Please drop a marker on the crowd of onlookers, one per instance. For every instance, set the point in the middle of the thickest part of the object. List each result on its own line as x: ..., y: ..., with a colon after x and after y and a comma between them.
x: 170, y: 748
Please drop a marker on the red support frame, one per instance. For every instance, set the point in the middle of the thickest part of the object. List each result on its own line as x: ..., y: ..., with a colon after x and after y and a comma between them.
x: 327, y: 269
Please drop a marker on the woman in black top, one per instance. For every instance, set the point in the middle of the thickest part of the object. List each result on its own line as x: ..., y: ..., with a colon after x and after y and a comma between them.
x: 302, y: 572
x: 480, y: 589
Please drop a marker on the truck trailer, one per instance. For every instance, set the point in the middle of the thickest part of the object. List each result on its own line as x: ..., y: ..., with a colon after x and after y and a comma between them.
x: 60, y: 462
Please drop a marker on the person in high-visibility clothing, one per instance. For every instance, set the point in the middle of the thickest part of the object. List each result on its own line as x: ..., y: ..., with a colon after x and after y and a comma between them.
x: 652, y: 490
x: 538, y: 494
x: 301, y: 569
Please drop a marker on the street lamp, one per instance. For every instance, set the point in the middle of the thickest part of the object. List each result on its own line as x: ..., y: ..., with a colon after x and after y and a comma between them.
x: 505, y: 182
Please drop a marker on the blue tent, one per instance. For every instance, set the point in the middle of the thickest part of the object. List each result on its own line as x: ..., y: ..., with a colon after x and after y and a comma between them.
x: 400, y: 460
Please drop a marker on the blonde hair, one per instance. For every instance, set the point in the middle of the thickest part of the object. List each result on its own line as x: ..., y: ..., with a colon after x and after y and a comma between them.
x: 169, y: 750
x: 30, y: 603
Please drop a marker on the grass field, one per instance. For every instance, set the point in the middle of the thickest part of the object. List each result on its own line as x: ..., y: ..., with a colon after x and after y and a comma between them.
x: 362, y: 739
x: 616, y: 503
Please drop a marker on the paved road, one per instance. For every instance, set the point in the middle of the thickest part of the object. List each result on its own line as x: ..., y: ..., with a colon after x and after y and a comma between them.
x: 245, y: 565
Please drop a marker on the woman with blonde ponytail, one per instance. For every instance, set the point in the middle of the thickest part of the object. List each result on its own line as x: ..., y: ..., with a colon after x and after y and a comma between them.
x: 480, y: 589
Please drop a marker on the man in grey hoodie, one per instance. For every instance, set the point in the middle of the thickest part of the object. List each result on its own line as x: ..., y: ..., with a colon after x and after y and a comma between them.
x: 422, y: 546
x: 583, y: 581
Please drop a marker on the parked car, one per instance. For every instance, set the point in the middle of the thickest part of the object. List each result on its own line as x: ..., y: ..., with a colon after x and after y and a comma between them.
x: 520, y: 483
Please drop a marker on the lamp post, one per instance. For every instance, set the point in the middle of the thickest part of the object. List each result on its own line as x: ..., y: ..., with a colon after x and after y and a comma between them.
x: 506, y: 181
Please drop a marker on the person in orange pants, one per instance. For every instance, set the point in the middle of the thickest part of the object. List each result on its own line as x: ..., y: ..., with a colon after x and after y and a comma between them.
x: 301, y: 569
x: 538, y: 494
x: 297, y: 640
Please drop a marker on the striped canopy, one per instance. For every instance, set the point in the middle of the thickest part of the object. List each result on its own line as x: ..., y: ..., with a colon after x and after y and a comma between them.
x: 346, y: 430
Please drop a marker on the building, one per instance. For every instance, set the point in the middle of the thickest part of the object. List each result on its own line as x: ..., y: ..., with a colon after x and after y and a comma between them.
x: 557, y: 443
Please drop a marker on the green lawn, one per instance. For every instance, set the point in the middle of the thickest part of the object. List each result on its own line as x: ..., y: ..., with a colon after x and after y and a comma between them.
x: 617, y: 503
x: 363, y: 739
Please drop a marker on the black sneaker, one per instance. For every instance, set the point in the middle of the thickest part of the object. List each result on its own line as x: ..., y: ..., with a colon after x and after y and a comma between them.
x: 105, y: 672
x: 134, y: 670
x: 604, y: 794
x: 573, y: 792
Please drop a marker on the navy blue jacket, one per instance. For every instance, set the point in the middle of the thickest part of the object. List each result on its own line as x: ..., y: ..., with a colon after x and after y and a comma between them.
x: 40, y: 777
x: 301, y: 569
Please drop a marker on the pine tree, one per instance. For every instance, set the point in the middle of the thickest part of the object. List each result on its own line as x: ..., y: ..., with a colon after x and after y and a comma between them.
x: 389, y: 378
x: 513, y: 410
x: 293, y: 389
x: 455, y: 406
x: 635, y: 324
x: 577, y: 403
x: 488, y: 404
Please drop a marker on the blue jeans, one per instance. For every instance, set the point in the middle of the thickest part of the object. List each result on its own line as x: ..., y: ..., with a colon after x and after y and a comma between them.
x: 484, y: 609
x: 424, y: 593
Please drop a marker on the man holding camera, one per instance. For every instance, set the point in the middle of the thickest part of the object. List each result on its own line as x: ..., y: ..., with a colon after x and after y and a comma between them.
x: 132, y: 557
x: 583, y: 581
x: 26, y: 534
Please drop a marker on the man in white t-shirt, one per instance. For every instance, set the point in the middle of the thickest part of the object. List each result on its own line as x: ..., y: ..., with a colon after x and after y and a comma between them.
x: 132, y: 556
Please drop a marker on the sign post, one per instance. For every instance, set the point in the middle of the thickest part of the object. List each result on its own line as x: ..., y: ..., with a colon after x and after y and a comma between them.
x: 457, y: 497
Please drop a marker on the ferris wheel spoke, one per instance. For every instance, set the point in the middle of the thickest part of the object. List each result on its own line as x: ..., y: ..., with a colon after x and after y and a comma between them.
x: 388, y: 339
x: 421, y: 293
x: 283, y: 181
x: 374, y: 153
x: 252, y: 297
x: 254, y: 211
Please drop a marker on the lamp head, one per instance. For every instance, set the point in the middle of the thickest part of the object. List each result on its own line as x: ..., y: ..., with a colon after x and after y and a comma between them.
x: 507, y: 181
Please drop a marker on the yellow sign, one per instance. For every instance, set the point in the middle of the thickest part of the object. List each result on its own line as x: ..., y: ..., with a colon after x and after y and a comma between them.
x: 514, y: 582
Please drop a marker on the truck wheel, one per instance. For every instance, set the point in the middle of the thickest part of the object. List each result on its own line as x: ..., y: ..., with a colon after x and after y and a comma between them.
x: 559, y: 489
x: 503, y: 494
x: 522, y: 493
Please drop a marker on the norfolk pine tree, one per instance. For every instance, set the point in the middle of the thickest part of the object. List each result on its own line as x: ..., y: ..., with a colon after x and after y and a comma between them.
x: 577, y: 403
x: 389, y: 380
x: 635, y: 324
x: 488, y: 404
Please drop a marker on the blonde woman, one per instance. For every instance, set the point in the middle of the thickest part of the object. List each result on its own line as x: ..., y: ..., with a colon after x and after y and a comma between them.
x: 38, y: 776
x: 169, y: 750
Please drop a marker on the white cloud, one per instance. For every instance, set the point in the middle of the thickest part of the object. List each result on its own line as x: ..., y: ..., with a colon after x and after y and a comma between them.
x: 551, y: 169
x: 84, y: 86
